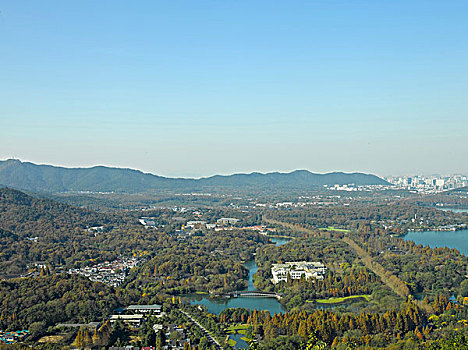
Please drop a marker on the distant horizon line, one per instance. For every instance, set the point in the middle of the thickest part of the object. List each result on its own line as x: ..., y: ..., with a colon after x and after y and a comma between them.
x: 197, y: 177
x: 187, y: 177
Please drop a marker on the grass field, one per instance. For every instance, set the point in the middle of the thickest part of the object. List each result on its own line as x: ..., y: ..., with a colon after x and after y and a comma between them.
x: 331, y: 228
x: 238, y: 328
x: 51, y: 339
x: 341, y: 299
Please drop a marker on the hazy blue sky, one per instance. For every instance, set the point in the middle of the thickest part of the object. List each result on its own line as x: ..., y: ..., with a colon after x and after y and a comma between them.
x: 191, y: 88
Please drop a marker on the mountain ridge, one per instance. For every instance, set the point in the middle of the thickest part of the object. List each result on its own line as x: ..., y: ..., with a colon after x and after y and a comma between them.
x: 48, y: 178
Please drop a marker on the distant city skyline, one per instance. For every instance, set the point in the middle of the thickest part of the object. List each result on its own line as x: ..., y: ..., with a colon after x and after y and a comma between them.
x: 191, y: 89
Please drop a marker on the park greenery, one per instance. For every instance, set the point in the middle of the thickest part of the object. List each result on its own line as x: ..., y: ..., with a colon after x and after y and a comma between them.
x: 379, y: 291
x: 384, y: 219
x: 211, y: 263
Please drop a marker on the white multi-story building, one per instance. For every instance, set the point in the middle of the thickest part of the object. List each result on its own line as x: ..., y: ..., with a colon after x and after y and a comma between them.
x: 429, y: 184
x: 297, y: 270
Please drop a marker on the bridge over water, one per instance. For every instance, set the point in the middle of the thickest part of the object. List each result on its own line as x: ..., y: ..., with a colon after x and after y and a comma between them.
x: 254, y: 293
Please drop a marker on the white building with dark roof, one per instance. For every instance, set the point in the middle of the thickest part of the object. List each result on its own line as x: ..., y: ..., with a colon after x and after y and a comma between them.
x: 297, y: 270
x: 153, y: 309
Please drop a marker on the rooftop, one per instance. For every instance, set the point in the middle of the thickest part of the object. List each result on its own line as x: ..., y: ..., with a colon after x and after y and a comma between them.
x: 147, y: 307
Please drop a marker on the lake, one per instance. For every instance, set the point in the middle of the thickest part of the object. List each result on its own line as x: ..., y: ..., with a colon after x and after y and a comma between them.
x: 216, y: 305
x: 454, y: 210
x: 450, y: 239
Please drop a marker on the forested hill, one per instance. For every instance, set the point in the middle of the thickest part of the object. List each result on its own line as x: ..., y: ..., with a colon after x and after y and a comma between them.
x: 298, y: 178
x: 33, y: 229
x: 46, y: 178
x: 28, y: 216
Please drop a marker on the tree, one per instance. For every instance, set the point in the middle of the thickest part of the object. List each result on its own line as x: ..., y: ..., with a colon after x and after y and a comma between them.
x: 83, y: 338
x: 159, y: 343
x: 302, y: 331
x: 119, y: 334
x: 463, y: 290
x: 37, y: 329
x: 204, y: 343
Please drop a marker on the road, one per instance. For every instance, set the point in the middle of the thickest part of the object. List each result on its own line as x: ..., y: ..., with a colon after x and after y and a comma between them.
x: 392, y: 281
x: 205, y: 331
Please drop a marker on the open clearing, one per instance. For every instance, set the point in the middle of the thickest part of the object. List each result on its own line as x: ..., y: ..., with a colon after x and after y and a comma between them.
x: 339, y: 300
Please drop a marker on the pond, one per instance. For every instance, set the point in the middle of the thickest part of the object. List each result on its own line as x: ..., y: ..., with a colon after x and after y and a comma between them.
x: 216, y: 305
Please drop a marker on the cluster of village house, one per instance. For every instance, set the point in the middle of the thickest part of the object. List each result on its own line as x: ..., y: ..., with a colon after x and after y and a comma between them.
x: 220, y: 225
x: 297, y: 270
x: 194, y: 224
x: 109, y: 272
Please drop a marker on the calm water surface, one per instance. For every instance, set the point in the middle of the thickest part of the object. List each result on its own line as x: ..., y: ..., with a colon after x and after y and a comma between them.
x: 450, y: 239
x: 454, y: 210
x: 216, y: 305
x: 240, y: 343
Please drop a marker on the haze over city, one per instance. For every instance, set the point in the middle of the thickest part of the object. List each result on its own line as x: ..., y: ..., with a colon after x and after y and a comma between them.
x: 196, y: 89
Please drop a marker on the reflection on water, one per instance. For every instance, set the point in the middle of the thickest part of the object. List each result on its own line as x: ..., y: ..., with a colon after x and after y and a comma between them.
x: 216, y: 305
x: 252, y: 266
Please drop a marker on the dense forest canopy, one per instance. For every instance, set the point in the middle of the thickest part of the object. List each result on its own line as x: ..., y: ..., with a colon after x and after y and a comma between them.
x: 398, y: 292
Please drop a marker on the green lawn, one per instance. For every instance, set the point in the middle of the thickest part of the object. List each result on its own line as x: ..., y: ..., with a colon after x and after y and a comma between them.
x: 340, y: 300
x: 238, y: 328
x: 331, y: 228
x: 231, y: 342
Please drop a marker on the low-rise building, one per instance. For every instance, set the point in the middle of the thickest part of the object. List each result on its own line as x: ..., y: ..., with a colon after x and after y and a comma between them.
x: 227, y: 221
x: 297, y: 270
x: 109, y: 272
x: 154, y: 309
x: 134, y: 320
x: 195, y: 225
x: 147, y: 222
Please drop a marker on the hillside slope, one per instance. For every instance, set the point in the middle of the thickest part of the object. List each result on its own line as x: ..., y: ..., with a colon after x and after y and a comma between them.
x: 27, y: 216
